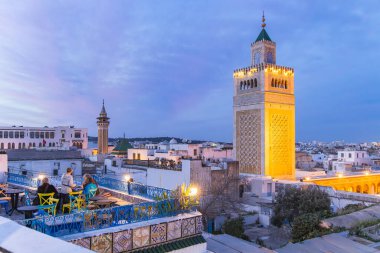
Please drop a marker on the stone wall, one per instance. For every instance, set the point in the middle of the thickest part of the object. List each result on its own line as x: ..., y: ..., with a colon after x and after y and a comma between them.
x: 140, y: 235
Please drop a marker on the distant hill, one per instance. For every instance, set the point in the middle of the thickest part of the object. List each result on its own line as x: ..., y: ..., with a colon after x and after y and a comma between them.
x: 152, y: 139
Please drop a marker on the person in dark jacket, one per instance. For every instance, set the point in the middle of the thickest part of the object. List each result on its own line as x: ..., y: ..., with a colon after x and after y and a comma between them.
x: 45, y: 188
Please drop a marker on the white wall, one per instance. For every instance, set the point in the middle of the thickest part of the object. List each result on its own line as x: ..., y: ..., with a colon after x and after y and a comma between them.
x: 47, y: 166
x: 169, y: 179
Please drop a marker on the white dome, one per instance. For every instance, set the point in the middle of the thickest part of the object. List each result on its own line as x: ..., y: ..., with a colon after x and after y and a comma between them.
x: 173, y: 141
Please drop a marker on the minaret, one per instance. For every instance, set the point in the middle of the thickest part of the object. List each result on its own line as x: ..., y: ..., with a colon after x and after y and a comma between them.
x: 264, y: 113
x: 103, y: 123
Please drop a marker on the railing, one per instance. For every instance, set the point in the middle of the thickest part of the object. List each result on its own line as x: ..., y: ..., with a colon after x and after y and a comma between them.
x: 33, y: 181
x: 133, y: 188
x: 22, y: 180
x: 90, y: 220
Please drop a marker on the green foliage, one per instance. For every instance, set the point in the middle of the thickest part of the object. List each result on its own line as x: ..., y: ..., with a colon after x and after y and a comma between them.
x: 358, y: 228
x: 185, y: 197
x: 234, y: 227
x: 291, y: 202
x: 351, y: 208
x: 304, y: 225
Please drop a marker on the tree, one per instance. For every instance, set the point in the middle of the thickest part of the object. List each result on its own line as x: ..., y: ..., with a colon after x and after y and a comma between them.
x: 234, y: 227
x: 304, y: 225
x: 291, y: 202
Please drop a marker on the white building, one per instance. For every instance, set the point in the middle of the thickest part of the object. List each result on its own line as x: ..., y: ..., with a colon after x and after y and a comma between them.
x: 49, y: 162
x: 61, y: 137
x: 354, y: 157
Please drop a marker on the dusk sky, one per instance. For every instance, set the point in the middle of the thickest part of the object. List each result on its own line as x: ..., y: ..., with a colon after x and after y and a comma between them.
x: 165, y: 68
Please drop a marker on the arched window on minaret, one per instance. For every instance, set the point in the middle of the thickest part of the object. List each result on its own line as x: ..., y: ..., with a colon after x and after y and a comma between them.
x: 255, y: 83
x: 286, y: 84
x: 245, y: 85
x: 241, y: 85
x: 272, y: 82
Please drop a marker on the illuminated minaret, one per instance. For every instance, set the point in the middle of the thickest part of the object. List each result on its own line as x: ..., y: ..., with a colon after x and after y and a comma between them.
x: 264, y: 113
x: 103, y: 123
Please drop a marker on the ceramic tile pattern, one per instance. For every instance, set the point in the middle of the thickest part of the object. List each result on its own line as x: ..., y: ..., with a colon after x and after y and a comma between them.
x: 158, y: 233
x: 102, y: 243
x: 141, y: 237
x: 122, y: 241
x: 174, y: 230
x: 198, y: 224
x: 83, y: 242
x: 188, y: 227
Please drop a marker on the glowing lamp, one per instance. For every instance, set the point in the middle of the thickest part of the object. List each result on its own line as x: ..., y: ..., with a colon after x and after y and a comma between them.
x: 127, y: 177
x: 40, y: 176
x: 193, y: 191
x: 307, y: 178
x: 366, y: 173
x: 340, y: 175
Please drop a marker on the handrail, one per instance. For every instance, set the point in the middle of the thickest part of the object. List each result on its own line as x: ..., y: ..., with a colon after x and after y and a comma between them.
x: 132, y: 188
x: 90, y: 220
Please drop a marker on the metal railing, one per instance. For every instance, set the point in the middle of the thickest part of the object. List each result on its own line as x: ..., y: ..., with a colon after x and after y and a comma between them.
x: 131, y: 188
x: 90, y: 220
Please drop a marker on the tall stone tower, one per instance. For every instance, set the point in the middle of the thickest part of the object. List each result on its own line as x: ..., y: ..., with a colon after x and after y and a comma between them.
x: 103, y: 123
x: 264, y: 113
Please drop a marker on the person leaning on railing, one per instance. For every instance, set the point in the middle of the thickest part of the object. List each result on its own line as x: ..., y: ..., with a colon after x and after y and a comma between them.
x: 45, y: 188
x: 67, y: 182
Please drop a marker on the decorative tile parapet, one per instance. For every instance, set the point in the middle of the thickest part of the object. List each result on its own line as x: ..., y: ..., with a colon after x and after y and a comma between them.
x: 139, y: 235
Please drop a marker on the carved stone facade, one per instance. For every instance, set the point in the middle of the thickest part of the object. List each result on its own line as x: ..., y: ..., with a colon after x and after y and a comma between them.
x: 248, y: 143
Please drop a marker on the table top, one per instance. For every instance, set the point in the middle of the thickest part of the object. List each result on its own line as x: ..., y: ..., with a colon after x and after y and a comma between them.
x: 105, y: 201
x: 13, y: 191
x: 27, y: 208
x: 97, y: 198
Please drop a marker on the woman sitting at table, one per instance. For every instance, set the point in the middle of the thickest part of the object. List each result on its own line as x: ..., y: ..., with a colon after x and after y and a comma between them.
x: 90, y: 187
x: 45, y: 188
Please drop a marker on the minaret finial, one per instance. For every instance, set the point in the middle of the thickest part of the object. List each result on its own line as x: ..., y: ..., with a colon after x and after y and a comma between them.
x: 103, y: 101
x: 263, y: 24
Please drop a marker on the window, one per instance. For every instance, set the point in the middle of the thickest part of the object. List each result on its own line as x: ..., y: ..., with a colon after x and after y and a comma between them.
x: 241, y: 85
x: 134, y: 156
x: 9, y: 145
x: 13, y: 146
x: 255, y: 83
x: 138, y: 156
x: 37, y: 135
x: 349, y: 155
x: 5, y: 134
x: 22, y: 134
x: 51, y: 135
x: 19, y: 145
x: 77, y: 135
x: 195, y: 152
x: 40, y: 144
x: 357, y: 155
x: 31, y: 135
x: 23, y: 145
x: 2, y: 146
x: 34, y: 144
x: 53, y: 144
x: 46, y: 135
x: 342, y: 155
x: 1, y: 134
x: 17, y: 134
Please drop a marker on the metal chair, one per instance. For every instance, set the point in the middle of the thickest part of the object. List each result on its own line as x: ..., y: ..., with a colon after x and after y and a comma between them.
x: 76, y: 202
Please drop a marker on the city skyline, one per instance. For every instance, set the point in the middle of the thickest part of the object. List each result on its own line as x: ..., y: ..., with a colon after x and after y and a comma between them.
x: 166, y: 69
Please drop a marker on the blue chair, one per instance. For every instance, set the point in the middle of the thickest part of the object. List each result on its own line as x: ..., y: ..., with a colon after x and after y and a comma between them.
x: 5, y: 204
x: 28, y: 199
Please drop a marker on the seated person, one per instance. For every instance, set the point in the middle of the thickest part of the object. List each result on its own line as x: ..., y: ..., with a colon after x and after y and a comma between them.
x: 45, y: 188
x: 89, y: 184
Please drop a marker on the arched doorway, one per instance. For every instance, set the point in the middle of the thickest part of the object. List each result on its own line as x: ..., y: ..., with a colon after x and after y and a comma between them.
x: 349, y: 189
x: 358, y: 189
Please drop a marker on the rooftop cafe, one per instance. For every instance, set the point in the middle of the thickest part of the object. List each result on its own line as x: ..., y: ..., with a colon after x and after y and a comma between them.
x: 121, y: 205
